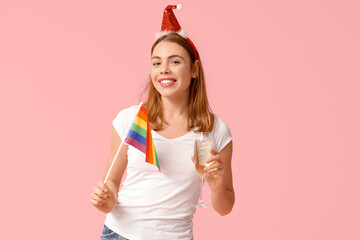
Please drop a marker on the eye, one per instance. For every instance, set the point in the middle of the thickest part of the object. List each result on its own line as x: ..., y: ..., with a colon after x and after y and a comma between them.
x: 175, y: 62
x: 156, y: 64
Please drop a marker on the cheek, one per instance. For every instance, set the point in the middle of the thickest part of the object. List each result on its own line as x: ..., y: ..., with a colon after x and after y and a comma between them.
x: 154, y: 72
x: 186, y: 72
x: 153, y: 81
x: 152, y: 77
x: 186, y: 75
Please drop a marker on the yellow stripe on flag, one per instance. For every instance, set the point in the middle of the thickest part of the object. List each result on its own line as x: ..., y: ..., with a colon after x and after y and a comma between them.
x: 154, y: 154
x: 141, y: 123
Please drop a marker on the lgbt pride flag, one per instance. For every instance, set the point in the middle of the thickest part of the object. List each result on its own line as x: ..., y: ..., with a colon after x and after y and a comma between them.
x: 139, y: 136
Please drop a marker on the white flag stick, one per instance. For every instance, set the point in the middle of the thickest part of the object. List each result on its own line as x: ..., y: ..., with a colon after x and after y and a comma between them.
x: 112, y: 164
x: 117, y: 153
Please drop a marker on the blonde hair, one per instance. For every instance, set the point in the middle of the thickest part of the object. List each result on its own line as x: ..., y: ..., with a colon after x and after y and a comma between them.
x: 200, y: 117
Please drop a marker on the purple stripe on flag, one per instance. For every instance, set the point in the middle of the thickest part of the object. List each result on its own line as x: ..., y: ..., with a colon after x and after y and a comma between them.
x: 135, y: 144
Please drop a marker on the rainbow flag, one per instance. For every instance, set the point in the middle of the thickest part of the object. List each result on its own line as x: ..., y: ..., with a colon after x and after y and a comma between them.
x: 140, y: 137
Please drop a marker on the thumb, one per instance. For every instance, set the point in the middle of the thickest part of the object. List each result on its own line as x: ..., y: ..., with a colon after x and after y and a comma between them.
x: 213, y: 152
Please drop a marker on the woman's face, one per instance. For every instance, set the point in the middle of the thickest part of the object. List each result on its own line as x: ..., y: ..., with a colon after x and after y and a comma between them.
x: 171, y: 70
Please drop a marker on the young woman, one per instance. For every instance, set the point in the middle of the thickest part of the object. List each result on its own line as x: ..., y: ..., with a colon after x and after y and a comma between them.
x: 160, y: 205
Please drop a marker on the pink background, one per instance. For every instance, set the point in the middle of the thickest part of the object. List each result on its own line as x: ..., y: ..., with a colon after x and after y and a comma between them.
x: 284, y: 75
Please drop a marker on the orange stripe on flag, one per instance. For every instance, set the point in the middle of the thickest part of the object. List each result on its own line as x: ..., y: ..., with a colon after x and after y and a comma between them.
x: 142, y: 115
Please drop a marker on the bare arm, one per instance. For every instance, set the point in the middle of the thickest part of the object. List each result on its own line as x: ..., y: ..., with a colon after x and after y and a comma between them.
x: 117, y: 171
x: 219, y: 179
x: 104, y: 196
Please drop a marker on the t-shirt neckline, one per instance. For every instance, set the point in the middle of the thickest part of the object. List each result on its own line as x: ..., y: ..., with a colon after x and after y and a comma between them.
x: 173, y: 139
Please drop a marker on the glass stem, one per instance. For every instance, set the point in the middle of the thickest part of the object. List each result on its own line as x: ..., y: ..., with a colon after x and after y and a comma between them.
x: 201, y: 189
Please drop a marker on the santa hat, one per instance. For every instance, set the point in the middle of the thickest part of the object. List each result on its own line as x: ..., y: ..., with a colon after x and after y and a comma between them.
x: 170, y: 24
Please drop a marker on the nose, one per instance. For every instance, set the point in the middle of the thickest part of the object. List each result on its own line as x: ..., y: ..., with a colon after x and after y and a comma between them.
x: 165, y: 69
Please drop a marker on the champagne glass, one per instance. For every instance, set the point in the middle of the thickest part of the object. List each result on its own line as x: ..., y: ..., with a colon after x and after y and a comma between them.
x: 201, y: 153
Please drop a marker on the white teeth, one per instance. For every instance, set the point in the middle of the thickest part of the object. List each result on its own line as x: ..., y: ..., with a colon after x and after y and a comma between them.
x: 166, y: 81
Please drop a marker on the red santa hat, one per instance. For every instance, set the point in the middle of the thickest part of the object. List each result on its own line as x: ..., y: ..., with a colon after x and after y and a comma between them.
x: 170, y: 24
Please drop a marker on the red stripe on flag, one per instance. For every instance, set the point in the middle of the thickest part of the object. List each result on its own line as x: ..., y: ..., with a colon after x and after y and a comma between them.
x: 143, y: 109
x: 143, y: 115
x: 136, y: 144
x: 148, y: 147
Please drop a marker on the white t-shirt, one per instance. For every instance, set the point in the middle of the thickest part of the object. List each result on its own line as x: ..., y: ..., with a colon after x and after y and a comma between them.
x: 155, y: 205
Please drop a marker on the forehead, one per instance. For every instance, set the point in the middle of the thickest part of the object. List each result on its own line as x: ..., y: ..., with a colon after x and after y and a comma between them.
x: 166, y: 48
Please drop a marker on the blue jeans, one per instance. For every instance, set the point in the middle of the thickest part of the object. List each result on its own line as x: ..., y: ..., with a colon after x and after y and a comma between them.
x: 108, y: 234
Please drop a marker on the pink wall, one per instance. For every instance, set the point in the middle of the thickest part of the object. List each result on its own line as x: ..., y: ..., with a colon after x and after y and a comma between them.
x: 284, y: 75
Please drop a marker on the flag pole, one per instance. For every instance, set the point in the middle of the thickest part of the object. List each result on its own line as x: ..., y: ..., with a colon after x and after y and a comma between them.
x: 117, y: 153
x: 112, y: 164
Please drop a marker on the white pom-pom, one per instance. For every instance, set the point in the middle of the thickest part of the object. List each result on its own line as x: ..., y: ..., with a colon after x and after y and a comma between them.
x: 179, y: 7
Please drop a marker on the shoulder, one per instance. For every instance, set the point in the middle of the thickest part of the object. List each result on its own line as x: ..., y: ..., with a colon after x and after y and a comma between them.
x: 221, y: 134
x: 123, y: 120
x: 220, y: 126
x: 128, y: 111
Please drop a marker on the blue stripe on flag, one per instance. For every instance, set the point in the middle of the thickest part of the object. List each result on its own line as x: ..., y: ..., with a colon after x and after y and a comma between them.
x: 137, y: 137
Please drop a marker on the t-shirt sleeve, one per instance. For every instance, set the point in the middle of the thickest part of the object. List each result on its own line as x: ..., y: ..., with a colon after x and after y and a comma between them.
x: 221, y: 134
x: 123, y: 120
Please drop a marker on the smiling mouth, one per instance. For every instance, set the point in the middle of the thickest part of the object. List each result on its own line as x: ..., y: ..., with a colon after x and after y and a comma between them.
x: 167, y: 81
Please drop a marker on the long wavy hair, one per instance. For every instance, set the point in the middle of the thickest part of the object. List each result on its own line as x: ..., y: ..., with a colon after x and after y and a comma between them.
x: 200, y: 116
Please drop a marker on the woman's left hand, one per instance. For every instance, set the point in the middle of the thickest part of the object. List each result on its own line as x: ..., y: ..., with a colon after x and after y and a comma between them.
x: 214, y: 171
x: 218, y: 176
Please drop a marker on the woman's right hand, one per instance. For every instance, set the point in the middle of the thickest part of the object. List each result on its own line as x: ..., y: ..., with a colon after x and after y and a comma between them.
x: 103, y: 198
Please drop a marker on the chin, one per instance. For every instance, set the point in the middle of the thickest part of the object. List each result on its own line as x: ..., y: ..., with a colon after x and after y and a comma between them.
x: 166, y: 92
x: 167, y: 95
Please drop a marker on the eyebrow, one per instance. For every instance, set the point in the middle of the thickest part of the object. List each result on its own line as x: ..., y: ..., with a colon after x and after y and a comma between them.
x: 172, y: 56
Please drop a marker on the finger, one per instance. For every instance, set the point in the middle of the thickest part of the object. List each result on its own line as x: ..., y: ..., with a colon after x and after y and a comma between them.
x: 103, y: 186
x: 213, y: 152
x: 106, y: 191
x: 98, y: 192
x: 213, y: 165
x: 213, y: 158
x: 213, y: 173
x: 214, y: 170
x: 98, y: 198
x: 95, y: 203
x: 192, y: 159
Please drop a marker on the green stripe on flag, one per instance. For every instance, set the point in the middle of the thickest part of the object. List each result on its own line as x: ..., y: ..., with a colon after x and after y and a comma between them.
x: 139, y: 130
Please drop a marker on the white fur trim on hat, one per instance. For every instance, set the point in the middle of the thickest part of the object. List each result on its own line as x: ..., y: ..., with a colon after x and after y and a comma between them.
x: 163, y: 33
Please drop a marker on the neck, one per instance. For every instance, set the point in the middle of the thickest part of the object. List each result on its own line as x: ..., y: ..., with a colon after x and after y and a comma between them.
x: 175, y: 108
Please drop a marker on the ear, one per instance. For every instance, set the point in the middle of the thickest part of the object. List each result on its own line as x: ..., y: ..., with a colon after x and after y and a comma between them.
x: 195, y: 69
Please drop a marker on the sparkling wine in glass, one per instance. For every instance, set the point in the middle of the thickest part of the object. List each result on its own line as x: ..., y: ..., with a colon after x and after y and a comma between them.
x: 201, y: 154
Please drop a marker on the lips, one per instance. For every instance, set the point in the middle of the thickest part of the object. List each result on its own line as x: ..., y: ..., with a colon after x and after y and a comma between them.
x: 166, y: 82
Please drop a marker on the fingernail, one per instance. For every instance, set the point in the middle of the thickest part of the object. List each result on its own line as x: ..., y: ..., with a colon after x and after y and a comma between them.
x: 105, y: 190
